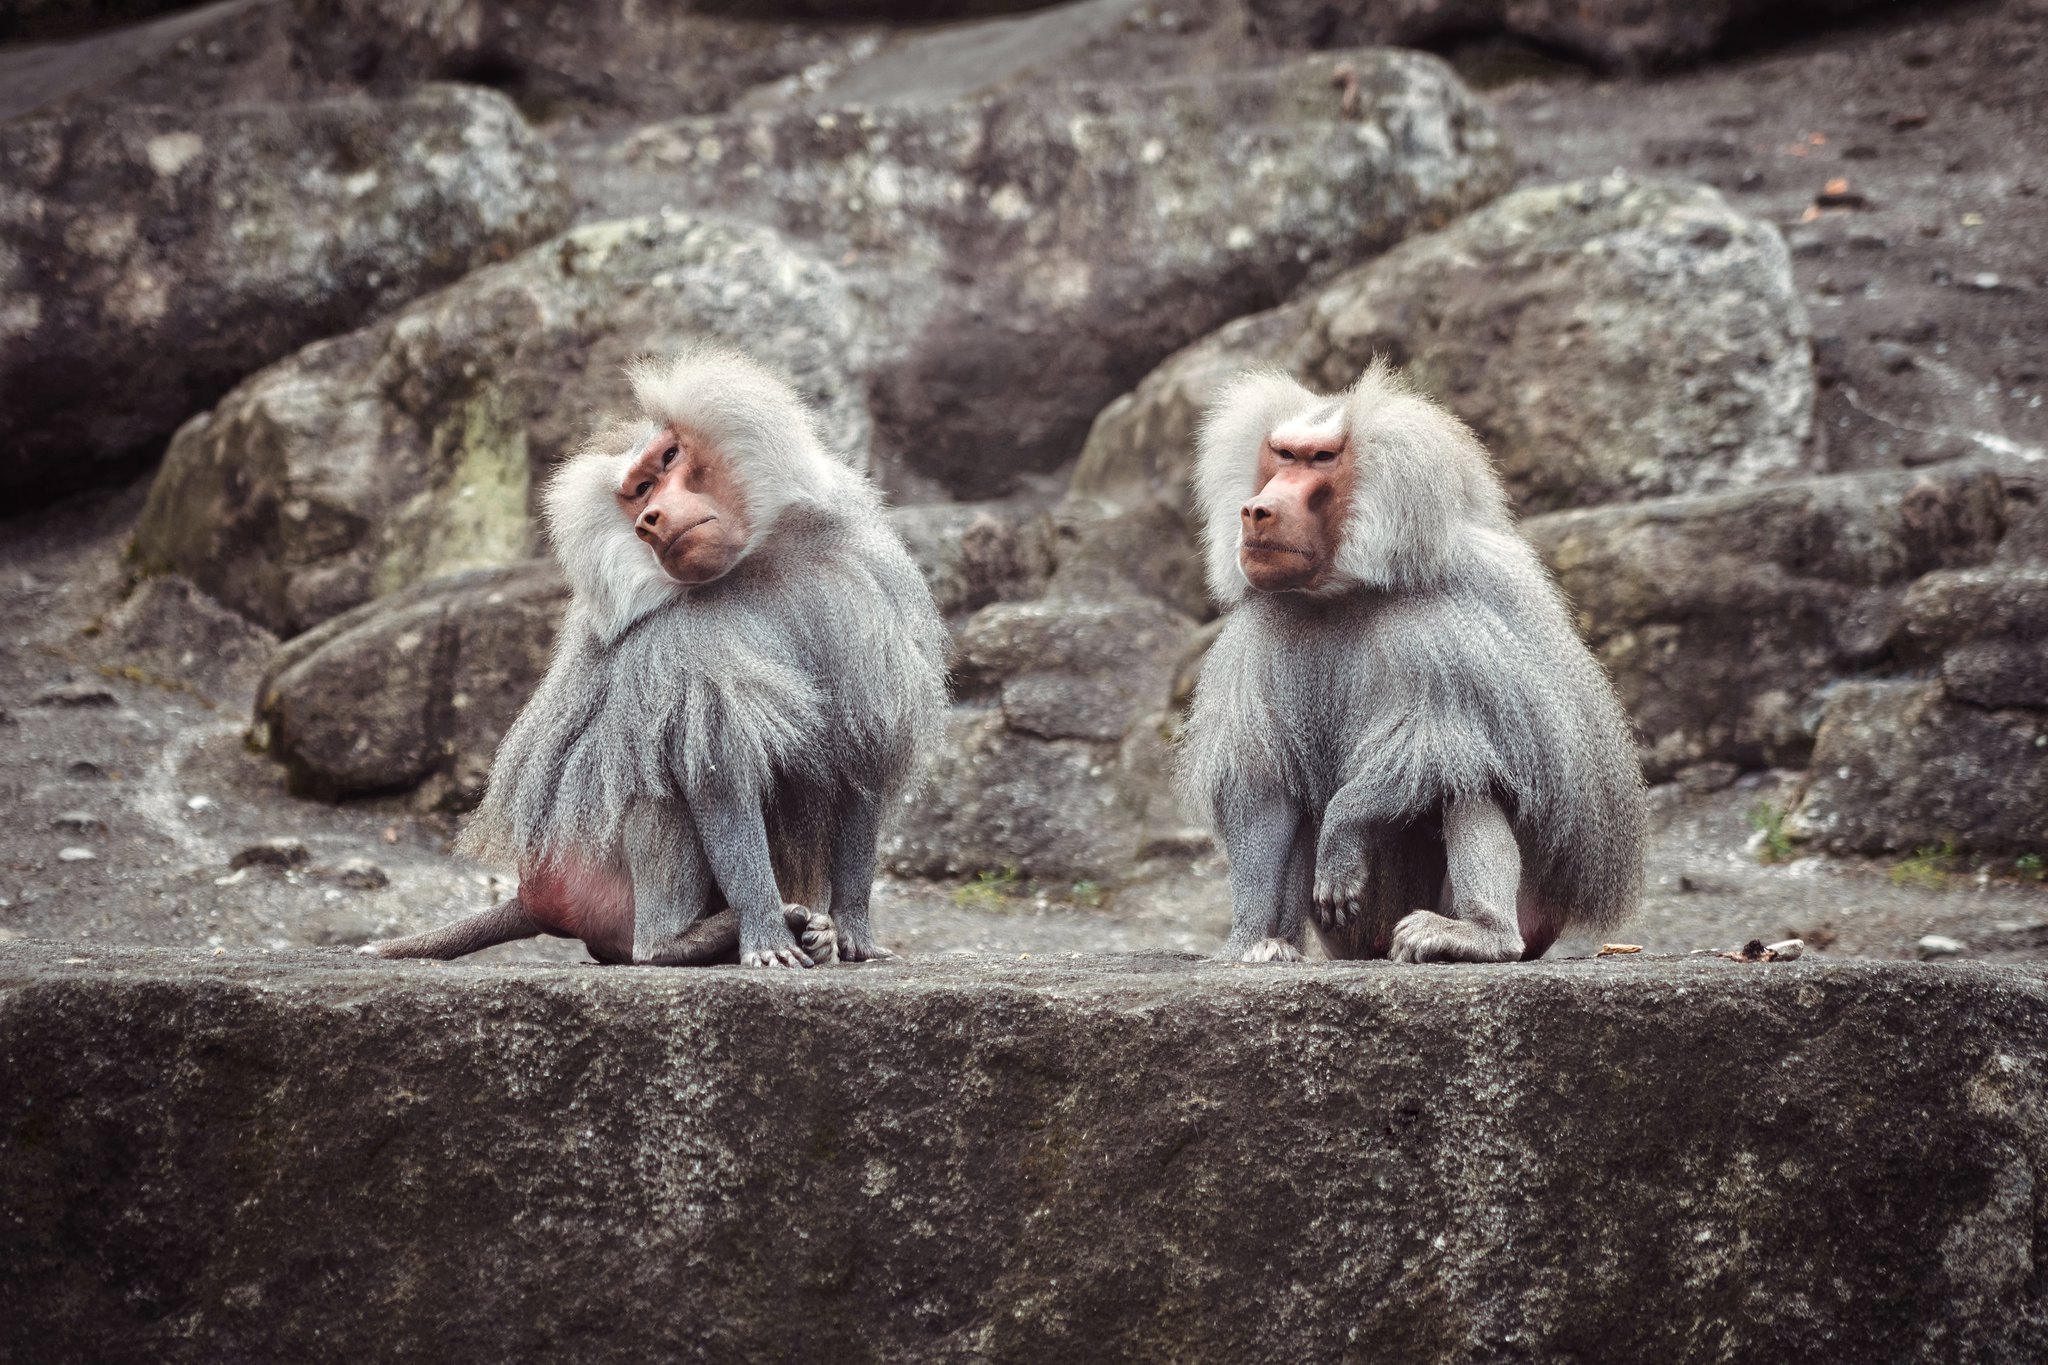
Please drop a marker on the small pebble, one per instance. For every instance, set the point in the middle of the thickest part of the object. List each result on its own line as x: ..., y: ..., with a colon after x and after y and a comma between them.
x: 359, y: 874
x: 279, y: 852
x: 199, y: 803
x: 1940, y: 945
x: 76, y: 855
x: 78, y: 696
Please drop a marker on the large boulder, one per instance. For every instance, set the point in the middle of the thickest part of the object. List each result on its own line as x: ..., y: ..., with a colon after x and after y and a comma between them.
x: 151, y: 257
x: 42, y: 20
x: 558, y: 59
x: 1000, y: 799
x: 1057, y: 760
x: 1035, y: 251
x: 411, y: 447
x: 972, y: 554
x: 1959, y: 760
x: 1721, y: 618
x: 1905, y: 766
x: 1626, y: 35
x: 417, y: 688
x: 1608, y: 340
x: 1988, y: 630
x: 309, y: 1156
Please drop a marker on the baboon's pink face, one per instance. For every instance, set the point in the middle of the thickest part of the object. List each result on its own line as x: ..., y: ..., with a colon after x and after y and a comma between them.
x: 1289, y: 530
x: 687, y: 504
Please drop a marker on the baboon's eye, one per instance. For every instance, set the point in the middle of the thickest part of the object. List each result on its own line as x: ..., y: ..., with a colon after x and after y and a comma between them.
x: 641, y: 491
x: 668, y: 457
x: 1325, y: 456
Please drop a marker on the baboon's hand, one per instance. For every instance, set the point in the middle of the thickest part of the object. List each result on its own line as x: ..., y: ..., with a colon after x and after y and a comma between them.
x: 1425, y: 936
x: 775, y: 955
x: 1340, y: 877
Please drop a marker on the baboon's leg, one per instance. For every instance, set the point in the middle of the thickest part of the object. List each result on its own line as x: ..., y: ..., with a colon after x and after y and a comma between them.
x: 734, y: 837
x: 853, y: 876
x: 1268, y: 882
x: 1485, y: 875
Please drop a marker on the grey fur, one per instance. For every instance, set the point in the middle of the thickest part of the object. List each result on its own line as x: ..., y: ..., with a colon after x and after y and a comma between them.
x: 1421, y: 756
x: 731, y: 743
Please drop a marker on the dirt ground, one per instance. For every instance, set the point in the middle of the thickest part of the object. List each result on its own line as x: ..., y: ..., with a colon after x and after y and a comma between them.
x: 127, y: 795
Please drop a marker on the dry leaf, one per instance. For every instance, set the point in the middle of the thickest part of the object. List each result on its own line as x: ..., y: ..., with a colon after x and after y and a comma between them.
x: 1839, y: 185
x: 1617, y: 949
x: 1812, y: 212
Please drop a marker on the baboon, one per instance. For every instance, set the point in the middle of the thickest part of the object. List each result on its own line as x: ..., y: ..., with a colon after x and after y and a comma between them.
x: 1398, y: 733
x: 750, y: 669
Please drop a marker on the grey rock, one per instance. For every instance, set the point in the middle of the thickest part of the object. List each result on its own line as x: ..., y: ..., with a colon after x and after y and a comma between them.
x: 417, y: 686
x: 1989, y: 630
x: 1060, y: 809
x: 1608, y: 340
x: 412, y: 447
x: 1066, y: 669
x: 559, y: 59
x: 972, y: 554
x: 170, y: 633
x: 43, y: 20
x: 1624, y: 35
x: 151, y: 257
x: 1137, y: 1157
x: 1721, y: 618
x: 1898, y: 766
x: 1033, y: 252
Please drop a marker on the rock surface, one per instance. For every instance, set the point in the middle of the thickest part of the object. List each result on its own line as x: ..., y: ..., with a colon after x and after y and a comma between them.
x: 420, y: 685
x: 1989, y: 630
x: 308, y: 1157
x: 151, y: 257
x: 413, y: 446
x: 1036, y: 251
x: 1904, y: 767
x: 1607, y: 339
x: 1722, y: 618
x: 1631, y: 35
x: 972, y: 554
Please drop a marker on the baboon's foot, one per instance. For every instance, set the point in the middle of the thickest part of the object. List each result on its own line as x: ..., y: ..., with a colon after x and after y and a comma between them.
x: 1271, y: 950
x: 815, y: 933
x: 1425, y: 936
x: 864, y: 949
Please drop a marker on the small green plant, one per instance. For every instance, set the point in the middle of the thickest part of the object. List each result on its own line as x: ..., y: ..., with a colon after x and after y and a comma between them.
x: 1087, y: 894
x: 989, y: 889
x: 1768, y: 820
x: 1928, y: 867
x: 2029, y: 867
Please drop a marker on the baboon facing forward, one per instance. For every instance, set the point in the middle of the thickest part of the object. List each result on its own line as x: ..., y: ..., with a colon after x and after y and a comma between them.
x: 1398, y: 733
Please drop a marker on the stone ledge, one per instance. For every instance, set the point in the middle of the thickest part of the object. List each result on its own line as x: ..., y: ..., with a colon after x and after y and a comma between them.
x: 312, y: 1157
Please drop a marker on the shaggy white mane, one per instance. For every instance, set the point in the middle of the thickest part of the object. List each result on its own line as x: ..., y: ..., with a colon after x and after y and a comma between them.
x: 748, y: 411
x: 1420, y: 473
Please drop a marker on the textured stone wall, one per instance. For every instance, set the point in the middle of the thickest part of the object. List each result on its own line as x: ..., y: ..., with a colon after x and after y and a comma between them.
x: 296, y: 1157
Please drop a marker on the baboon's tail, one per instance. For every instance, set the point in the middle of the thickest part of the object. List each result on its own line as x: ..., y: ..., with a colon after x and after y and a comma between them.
x: 502, y: 923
